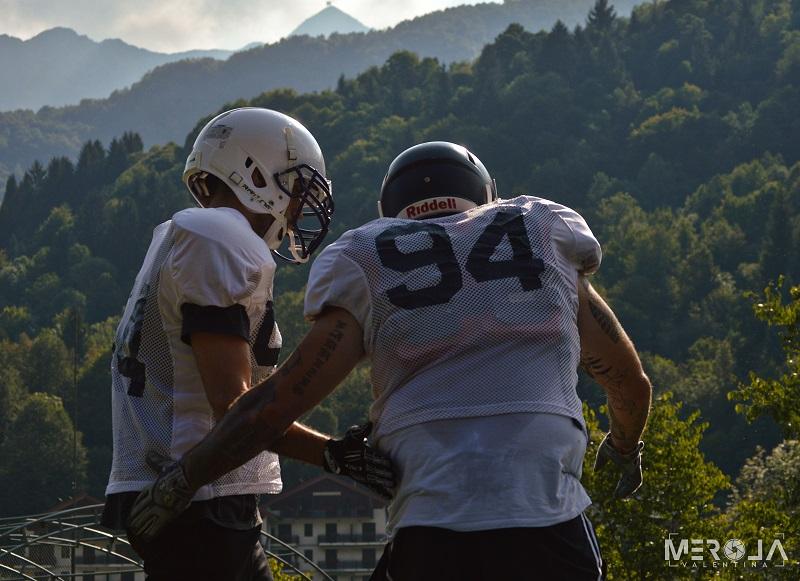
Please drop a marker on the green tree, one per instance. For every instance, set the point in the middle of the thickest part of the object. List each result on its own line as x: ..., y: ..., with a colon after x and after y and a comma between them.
x: 352, y: 399
x: 36, y: 458
x: 9, y: 205
x: 289, y: 316
x: 766, y: 504
x: 278, y: 574
x: 91, y: 162
x: 777, y: 245
x: 48, y: 364
x: 12, y: 394
x: 766, y: 499
x: 602, y: 15
x: 676, y: 497
x: 778, y: 398
x: 14, y: 320
x: 323, y: 419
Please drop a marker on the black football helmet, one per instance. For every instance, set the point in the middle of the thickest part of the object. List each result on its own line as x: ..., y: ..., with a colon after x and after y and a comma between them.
x: 434, y: 179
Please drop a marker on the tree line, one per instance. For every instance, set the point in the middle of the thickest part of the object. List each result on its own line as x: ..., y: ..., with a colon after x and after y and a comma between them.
x: 672, y: 132
x: 164, y: 104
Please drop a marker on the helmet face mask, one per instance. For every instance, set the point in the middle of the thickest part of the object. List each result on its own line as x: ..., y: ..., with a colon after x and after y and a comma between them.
x: 308, y: 215
x: 434, y: 179
x: 268, y: 160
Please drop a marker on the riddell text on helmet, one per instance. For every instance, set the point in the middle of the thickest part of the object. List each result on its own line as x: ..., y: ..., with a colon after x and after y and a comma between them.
x: 436, y: 206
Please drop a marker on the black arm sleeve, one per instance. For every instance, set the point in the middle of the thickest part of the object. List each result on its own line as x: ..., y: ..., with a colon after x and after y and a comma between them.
x: 231, y: 320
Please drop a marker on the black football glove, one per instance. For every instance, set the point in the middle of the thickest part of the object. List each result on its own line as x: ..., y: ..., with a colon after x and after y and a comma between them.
x: 162, y: 501
x: 630, y: 465
x: 353, y: 456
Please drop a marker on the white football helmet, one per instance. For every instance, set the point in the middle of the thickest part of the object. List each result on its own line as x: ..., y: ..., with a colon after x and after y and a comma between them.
x: 268, y: 160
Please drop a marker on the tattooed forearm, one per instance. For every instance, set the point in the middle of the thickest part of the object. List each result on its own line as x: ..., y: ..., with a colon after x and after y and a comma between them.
x: 605, y: 318
x: 604, y: 374
x: 260, y: 417
x: 627, y: 411
x: 323, y: 355
x: 609, y: 357
x: 294, y: 361
x: 244, y: 445
x: 242, y: 434
x: 237, y: 438
x: 616, y: 426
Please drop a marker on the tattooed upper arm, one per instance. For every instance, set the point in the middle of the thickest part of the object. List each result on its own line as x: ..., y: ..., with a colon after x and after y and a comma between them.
x: 608, y: 356
x: 599, y: 311
x: 605, y: 318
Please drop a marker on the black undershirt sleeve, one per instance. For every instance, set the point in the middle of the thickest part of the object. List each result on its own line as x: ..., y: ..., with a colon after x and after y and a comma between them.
x: 231, y: 320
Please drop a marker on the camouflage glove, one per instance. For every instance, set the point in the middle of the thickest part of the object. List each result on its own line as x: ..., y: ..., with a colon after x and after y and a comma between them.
x: 353, y: 456
x: 161, y: 502
x: 629, y: 464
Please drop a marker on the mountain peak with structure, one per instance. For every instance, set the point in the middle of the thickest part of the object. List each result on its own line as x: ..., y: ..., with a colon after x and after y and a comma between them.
x: 328, y: 21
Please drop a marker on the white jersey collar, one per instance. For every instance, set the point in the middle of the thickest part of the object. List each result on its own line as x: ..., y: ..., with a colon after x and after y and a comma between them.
x: 234, y: 212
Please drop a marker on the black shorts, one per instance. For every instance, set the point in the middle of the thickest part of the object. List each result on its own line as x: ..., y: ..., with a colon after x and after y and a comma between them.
x: 205, y: 551
x: 212, y: 540
x: 567, y: 551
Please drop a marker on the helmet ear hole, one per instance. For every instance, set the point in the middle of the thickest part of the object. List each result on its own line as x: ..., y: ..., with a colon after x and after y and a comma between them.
x: 258, y: 179
x: 248, y: 162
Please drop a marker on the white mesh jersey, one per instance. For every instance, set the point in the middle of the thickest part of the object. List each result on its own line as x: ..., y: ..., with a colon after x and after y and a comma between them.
x: 203, y: 257
x: 473, y: 314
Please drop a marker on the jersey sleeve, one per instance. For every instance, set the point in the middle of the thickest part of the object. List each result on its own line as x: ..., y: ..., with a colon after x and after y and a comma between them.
x: 576, y: 240
x: 213, y: 283
x: 337, y: 281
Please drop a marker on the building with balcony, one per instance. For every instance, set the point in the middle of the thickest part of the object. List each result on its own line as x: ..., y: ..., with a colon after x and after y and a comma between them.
x: 333, y: 521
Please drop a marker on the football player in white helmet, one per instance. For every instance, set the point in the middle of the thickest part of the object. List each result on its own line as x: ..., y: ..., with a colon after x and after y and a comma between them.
x: 476, y: 313
x: 199, y: 329
x: 280, y: 182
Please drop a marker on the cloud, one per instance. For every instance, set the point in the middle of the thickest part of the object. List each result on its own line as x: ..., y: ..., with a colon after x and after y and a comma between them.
x: 176, y: 25
x: 376, y: 14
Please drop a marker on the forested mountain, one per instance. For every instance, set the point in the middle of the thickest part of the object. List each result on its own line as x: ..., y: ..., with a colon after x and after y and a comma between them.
x: 674, y: 132
x: 167, y: 101
x: 60, y: 67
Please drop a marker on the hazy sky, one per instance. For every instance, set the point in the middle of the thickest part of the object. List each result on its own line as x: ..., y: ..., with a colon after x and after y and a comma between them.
x: 176, y: 25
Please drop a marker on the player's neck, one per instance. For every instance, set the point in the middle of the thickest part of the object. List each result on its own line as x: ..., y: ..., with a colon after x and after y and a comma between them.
x: 260, y: 223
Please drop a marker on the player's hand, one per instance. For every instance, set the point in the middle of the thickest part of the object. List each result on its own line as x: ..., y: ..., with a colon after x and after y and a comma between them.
x: 353, y: 456
x: 630, y: 465
x: 161, y: 502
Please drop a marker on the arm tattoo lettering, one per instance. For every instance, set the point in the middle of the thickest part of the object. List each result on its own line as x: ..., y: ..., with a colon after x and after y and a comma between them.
x: 323, y: 354
x: 294, y: 361
x: 605, y: 319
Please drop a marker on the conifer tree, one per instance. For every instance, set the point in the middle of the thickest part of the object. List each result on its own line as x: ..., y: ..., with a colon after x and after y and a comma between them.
x: 602, y: 16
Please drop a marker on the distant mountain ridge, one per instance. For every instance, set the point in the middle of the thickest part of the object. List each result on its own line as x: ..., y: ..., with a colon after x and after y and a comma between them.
x: 60, y: 67
x: 327, y: 21
x: 167, y: 102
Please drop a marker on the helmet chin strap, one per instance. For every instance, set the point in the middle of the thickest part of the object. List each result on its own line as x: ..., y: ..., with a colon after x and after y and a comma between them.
x: 276, y: 232
x: 296, y: 249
